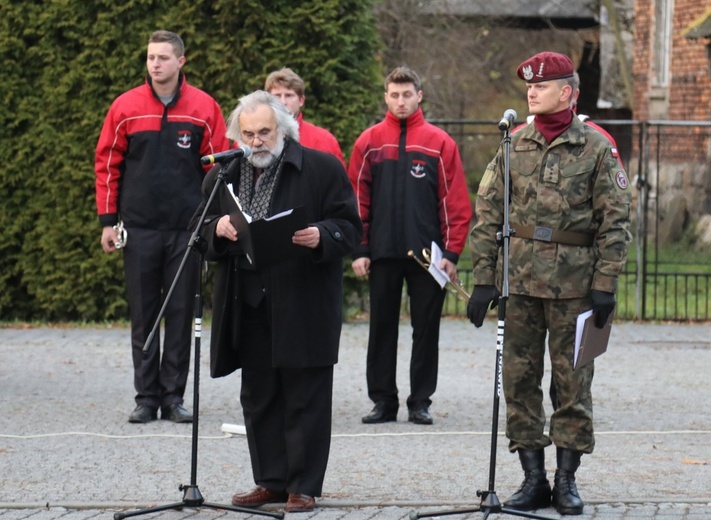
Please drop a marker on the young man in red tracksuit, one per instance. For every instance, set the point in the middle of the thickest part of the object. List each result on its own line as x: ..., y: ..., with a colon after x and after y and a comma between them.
x: 148, y: 175
x: 410, y: 188
x: 288, y: 86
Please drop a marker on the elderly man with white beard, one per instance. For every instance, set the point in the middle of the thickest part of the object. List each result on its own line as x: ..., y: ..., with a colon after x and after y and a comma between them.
x: 280, y: 324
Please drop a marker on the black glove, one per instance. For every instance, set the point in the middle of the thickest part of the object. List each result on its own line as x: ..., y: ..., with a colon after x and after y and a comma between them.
x: 479, y: 301
x: 603, y: 303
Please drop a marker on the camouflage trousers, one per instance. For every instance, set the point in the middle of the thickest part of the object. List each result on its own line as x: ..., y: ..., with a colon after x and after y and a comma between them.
x: 528, y: 320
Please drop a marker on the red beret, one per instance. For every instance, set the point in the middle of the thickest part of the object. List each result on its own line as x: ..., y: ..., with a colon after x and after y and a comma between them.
x: 546, y: 66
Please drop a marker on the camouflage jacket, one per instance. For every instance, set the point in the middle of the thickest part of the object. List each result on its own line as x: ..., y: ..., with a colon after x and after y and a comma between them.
x: 574, y: 185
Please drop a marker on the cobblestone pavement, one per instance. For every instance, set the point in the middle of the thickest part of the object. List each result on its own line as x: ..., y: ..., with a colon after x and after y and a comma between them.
x: 67, y: 450
x: 336, y: 511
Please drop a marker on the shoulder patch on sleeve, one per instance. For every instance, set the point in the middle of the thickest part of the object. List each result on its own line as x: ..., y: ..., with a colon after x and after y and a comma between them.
x: 621, y: 179
x: 487, y: 180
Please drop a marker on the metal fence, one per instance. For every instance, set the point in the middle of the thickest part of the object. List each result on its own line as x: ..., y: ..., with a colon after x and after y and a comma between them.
x: 668, y: 273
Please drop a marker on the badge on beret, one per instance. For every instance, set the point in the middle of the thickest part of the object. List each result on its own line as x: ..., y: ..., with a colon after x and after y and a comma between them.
x: 527, y: 72
x: 547, y: 66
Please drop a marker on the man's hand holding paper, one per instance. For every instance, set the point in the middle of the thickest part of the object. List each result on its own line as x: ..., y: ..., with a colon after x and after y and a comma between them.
x: 309, y: 237
x: 440, y: 268
x: 225, y: 229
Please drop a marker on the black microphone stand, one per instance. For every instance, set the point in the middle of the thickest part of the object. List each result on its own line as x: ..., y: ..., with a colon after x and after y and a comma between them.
x: 191, y: 494
x: 489, y: 501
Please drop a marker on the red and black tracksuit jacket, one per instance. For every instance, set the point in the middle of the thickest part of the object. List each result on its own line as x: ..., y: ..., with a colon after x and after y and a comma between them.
x: 410, y: 189
x: 147, y: 160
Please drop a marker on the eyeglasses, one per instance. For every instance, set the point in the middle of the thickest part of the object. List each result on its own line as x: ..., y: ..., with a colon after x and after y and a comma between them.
x: 264, y: 135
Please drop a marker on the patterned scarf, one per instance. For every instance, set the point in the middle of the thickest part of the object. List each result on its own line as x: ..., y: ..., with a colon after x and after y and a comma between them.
x: 256, y: 197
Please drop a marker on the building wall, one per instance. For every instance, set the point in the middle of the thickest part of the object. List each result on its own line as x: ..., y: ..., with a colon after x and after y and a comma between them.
x: 691, y: 84
x: 687, y: 96
x: 676, y: 163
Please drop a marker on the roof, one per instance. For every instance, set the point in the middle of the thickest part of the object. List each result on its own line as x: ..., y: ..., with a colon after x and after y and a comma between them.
x: 530, y: 13
x: 699, y: 28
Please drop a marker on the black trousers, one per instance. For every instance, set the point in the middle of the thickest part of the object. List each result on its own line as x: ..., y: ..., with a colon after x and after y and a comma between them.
x: 151, y: 261
x: 426, y: 300
x: 287, y: 413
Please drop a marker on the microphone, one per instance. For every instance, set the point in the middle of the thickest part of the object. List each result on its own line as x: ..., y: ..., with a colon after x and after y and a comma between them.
x: 227, y: 156
x: 508, y: 119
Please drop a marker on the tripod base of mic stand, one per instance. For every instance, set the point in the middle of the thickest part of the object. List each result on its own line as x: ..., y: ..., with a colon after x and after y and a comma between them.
x: 489, y: 504
x: 193, y: 498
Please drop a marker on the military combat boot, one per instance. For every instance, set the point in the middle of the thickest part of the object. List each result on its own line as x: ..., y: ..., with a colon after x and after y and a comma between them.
x: 565, y: 493
x: 535, y: 491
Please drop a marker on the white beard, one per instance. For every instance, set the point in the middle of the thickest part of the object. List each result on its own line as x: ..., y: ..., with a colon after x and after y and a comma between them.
x: 265, y: 160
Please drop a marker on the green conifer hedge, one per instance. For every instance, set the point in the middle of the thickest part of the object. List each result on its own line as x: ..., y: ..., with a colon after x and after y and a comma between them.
x: 63, y: 63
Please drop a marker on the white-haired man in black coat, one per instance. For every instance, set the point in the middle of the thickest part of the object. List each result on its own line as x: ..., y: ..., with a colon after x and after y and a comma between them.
x: 281, y: 323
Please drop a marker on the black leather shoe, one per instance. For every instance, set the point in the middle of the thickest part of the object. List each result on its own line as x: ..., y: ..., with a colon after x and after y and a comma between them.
x: 143, y: 414
x: 176, y: 413
x: 381, y: 413
x: 419, y: 415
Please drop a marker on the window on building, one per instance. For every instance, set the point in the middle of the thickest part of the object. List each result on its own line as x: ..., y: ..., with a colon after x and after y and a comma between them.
x: 663, y: 18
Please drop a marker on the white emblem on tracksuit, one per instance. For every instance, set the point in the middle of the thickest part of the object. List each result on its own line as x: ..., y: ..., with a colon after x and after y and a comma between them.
x: 184, y: 139
x: 417, y: 170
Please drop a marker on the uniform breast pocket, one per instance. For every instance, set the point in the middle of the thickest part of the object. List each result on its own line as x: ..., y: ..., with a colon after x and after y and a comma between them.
x: 523, y: 180
x: 577, y: 181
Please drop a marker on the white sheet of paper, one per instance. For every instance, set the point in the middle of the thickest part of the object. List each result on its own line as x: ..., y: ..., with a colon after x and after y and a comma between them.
x: 247, y: 216
x: 580, y: 325
x: 279, y: 215
x: 440, y: 276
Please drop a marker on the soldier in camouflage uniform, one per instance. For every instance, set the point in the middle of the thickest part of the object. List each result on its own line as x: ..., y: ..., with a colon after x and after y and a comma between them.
x: 569, y: 212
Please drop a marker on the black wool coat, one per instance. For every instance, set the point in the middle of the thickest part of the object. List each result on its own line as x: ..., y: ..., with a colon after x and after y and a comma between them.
x: 304, y: 294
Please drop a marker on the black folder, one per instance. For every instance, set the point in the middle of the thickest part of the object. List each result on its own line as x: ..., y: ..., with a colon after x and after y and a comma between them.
x: 593, y: 341
x: 265, y: 241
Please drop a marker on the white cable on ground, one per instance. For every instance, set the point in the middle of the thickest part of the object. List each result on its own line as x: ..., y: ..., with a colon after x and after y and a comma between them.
x: 231, y: 430
x: 107, y: 436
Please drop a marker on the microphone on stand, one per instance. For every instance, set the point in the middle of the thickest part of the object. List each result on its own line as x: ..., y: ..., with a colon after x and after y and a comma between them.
x: 227, y: 156
x: 508, y: 119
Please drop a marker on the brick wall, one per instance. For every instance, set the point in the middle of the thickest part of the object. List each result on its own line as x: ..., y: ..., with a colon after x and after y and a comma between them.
x: 679, y: 157
x: 643, y: 20
x: 689, y: 92
x: 691, y: 84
